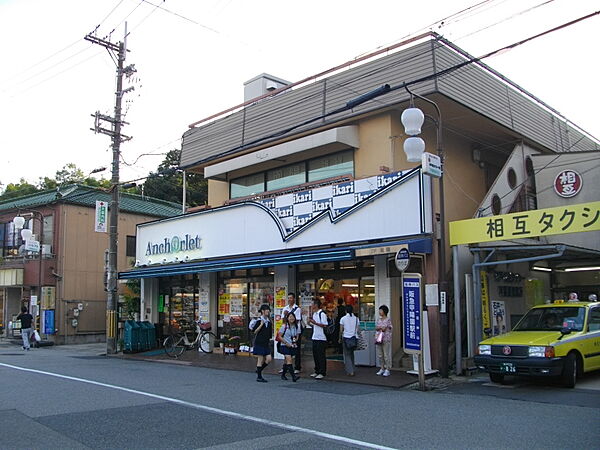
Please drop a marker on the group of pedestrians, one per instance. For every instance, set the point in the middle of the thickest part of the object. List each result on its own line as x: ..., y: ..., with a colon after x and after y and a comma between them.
x: 290, y: 334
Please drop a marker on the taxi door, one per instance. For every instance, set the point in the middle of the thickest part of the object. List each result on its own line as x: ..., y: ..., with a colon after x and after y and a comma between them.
x: 591, y: 347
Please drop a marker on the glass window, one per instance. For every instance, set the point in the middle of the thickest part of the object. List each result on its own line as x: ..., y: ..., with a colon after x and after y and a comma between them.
x: 549, y: 319
x: 331, y: 166
x: 367, y: 300
x: 594, y: 319
x: 249, y: 185
x: 130, y: 248
x: 48, y: 230
x: 286, y: 176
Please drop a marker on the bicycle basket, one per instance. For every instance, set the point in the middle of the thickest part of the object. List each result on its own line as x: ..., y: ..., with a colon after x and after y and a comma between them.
x: 206, y: 326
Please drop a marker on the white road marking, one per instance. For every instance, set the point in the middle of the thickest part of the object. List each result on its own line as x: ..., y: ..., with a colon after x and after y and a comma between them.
x: 232, y: 414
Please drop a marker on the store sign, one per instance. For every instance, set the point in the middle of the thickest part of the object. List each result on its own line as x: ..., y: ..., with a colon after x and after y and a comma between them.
x: 527, y: 224
x: 174, y: 245
x: 432, y: 165
x: 402, y: 259
x: 411, y: 310
x: 32, y: 246
x: 101, y: 216
x: 568, y: 183
x: 402, y: 207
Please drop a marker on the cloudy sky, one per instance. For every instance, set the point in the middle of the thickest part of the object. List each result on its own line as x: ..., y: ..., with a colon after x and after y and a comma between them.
x: 193, y: 59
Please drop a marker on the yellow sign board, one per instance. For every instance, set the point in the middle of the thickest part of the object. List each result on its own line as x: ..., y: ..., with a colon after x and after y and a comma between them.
x: 485, y: 301
x: 527, y: 224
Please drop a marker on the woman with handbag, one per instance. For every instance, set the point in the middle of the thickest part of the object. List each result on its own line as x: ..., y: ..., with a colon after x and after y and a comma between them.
x: 287, y: 340
x: 349, y: 328
x: 383, y: 341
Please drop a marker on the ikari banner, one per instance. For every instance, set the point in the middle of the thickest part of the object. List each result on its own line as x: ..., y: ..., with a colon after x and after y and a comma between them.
x: 527, y: 224
x: 101, y: 216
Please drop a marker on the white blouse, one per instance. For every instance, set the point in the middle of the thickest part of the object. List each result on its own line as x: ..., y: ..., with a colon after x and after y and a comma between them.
x: 350, y: 324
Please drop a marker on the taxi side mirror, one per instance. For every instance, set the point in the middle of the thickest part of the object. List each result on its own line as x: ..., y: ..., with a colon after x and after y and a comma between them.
x: 564, y: 331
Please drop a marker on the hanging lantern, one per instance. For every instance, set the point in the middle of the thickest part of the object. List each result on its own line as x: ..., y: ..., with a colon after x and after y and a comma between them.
x: 414, y: 148
x: 412, y: 119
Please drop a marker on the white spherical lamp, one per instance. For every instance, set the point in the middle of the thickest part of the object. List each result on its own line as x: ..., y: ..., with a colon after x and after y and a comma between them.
x: 412, y: 119
x: 414, y: 148
x: 26, y: 234
x: 18, y: 222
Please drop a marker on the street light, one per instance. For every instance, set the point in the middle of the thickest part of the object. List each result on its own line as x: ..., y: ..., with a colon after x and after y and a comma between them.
x: 413, y: 118
x: 19, y: 223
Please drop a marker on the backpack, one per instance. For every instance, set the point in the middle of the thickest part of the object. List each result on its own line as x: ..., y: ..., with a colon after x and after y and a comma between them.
x: 329, y: 329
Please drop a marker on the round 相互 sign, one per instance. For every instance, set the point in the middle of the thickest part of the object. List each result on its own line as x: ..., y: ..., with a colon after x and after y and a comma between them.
x: 402, y: 259
x: 568, y: 183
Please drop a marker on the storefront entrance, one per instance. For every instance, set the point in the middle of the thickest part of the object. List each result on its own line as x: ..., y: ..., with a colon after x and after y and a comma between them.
x: 240, y: 294
x: 178, y: 303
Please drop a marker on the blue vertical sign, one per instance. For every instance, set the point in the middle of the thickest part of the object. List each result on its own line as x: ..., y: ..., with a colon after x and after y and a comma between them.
x: 48, y: 322
x: 411, y: 307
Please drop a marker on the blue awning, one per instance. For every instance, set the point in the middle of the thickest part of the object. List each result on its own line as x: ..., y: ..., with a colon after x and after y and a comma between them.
x: 421, y: 245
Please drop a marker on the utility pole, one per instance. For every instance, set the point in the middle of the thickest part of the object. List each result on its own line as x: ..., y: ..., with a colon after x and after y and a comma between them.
x: 118, y: 51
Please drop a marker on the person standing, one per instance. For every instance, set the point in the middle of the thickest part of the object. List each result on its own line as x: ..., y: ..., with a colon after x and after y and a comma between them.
x: 319, y: 341
x: 349, y: 330
x: 383, y: 341
x: 293, y: 308
x: 26, y: 330
x: 288, y: 336
x: 263, y: 331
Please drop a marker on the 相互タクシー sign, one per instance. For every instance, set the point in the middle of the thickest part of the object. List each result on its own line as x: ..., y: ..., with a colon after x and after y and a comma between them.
x: 527, y: 224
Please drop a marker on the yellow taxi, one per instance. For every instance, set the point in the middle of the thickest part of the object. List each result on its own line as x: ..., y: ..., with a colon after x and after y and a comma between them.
x: 558, y: 339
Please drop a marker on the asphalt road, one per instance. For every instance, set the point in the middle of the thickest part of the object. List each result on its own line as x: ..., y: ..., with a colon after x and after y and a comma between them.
x: 70, y: 397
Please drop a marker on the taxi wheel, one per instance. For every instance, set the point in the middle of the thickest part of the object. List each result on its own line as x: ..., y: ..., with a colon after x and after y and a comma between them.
x: 569, y: 375
x: 496, y: 378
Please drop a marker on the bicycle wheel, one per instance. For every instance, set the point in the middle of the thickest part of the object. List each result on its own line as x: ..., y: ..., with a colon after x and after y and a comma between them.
x: 174, y: 346
x: 207, y: 342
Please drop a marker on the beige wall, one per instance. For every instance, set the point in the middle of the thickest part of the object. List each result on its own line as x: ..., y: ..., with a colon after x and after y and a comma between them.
x: 81, y: 265
x: 218, y: 192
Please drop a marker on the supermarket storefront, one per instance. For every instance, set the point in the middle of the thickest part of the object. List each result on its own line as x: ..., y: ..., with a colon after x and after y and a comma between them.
x: 332, y: 242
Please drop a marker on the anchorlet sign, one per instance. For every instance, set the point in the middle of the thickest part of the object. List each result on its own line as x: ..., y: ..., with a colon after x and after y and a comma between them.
x: 174, y: 245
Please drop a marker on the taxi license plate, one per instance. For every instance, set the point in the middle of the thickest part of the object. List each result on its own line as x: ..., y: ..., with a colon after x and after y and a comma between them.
x: 508, y: 368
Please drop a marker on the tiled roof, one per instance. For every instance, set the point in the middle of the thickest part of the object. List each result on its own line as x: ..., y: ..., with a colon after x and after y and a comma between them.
x: 87, y: 196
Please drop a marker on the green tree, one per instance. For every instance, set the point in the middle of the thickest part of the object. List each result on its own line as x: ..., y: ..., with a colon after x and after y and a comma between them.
x: 167, y: 182
x: 13, y: 190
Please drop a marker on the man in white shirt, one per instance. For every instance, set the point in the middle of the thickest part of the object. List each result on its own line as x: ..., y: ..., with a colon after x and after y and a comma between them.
x: 319, y: 341
x: 294, y: 309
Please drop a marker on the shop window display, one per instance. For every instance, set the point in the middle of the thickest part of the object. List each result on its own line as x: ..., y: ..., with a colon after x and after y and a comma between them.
x: 178, y: 303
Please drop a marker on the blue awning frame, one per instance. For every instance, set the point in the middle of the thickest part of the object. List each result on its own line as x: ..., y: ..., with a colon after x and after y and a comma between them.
x: 417, y: 245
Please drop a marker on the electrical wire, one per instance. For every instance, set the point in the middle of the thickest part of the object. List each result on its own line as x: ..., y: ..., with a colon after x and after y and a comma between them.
x: 107, y: 16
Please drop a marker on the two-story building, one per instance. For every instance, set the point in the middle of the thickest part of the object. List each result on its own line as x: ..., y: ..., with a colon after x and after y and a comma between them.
x: 311, y: 191
x: 63, y: 285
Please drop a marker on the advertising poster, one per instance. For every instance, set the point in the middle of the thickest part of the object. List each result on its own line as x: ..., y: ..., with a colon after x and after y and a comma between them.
x: 499, y: 312
x: 485, y: 303
x: 224, y: 300
x: 236, y: 305
x: 305, y: 299
x: 280, y: 296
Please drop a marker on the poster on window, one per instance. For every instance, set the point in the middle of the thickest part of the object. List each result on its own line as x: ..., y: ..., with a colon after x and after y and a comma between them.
x: 305, y: 298
x: 280, y: 296
x: 224, y: 300
x: 499, y: 313
x: 236, y: 305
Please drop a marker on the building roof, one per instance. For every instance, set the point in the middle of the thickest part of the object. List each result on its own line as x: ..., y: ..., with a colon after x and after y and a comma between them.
x: 431, y: 66
x: 77, y: 194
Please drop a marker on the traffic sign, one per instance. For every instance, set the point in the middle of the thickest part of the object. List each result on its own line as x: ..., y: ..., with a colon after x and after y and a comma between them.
x: 402, y: 259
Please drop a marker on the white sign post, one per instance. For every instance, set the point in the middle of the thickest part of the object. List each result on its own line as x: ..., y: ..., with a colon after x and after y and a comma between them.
x: 101, y: 216
x: 432, y: 165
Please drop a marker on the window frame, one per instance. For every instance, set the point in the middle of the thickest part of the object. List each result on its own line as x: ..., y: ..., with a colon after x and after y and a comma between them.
x: 306, y: 164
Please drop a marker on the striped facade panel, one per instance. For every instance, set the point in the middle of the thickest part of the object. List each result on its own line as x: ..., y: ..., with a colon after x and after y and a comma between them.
x: 290, y: 109
x: 283, y: 111
x: 201, y: 143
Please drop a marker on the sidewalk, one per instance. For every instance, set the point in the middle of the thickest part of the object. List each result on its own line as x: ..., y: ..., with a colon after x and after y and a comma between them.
x: 335, y: 369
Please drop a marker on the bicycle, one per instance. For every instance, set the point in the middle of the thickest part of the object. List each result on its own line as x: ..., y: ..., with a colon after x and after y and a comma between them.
x: 176, y: 344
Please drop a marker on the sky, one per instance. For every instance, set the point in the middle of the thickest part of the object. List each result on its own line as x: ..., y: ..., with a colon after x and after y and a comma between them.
x: 193, y: 59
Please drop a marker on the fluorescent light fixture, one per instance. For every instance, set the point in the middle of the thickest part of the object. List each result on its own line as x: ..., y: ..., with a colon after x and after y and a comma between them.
x: 369, y: 285
x: 542, y: 269
x: 349, y: 285
x: 581, y: 269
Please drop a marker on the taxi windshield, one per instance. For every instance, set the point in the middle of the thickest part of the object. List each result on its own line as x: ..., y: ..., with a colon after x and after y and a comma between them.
x: 552, y: 319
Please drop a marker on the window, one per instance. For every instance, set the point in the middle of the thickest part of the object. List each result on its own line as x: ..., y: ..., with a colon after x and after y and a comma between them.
x: 594, y: 319
x: 249, y: 185
x: 286, y: 176
x: 130, y: 250
x: 48, y: 237
x: 337, y: 164
x: 331, y: 166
